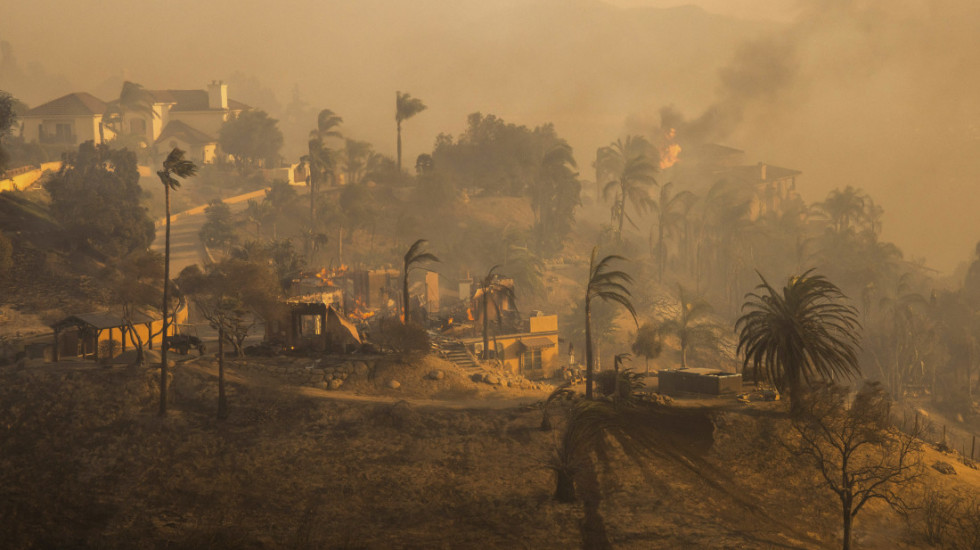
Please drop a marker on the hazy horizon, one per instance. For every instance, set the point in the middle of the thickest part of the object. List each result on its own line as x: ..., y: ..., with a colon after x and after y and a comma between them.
x: 878, y: 95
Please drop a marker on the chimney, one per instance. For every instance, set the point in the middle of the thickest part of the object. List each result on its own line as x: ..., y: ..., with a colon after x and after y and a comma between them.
x: 217, y: 95
x: 762, y: 171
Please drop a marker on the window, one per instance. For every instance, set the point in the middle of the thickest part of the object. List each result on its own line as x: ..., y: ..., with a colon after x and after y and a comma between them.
x: 309, y: 325
x: 531, y: 360
x: 63, y: 132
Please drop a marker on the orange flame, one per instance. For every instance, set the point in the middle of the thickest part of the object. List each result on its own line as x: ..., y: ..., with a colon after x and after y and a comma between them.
x: 670, y: 152
x: 469, y: 314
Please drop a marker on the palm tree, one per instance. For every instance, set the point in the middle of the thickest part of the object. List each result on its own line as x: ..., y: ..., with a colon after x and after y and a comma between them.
x: 669, y: 219
x: 278, y: 196
x: 493, y: 289
x: 609, y: 286
x: 320, y: 160
x: 174, y: 165
x: 691, y: 325
x: 406, y: 107
x: 414, y: 256
x: 554, y: 192
x: 132, y: 98
x: 842, y: 208
x: 632, y: 171
x: 800, y: 335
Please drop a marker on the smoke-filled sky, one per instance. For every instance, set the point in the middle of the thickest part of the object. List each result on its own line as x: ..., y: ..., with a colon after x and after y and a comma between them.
x: 878, y: 94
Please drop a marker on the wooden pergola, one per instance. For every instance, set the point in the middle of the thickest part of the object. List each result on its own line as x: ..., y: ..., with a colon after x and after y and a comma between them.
x: 90, y: 327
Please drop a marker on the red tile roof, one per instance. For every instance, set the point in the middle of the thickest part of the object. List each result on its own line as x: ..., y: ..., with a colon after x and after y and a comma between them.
x: 177, y: 129
x: 76, y: 104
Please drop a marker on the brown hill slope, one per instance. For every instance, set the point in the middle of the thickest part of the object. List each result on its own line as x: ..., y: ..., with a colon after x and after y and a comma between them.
x: 84, y: 461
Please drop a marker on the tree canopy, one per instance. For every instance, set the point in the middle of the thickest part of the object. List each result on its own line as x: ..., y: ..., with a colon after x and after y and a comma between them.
x: 96, y: 197
x: 251, y: 137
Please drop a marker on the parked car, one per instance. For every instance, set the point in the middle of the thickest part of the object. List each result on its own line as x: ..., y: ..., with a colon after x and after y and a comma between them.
x: 183, y: 343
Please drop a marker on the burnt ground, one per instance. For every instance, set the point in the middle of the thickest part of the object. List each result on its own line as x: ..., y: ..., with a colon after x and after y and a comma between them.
x: 86, y: 462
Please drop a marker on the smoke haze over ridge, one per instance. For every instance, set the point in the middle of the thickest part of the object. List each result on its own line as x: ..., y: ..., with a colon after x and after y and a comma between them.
x: 872, y: 93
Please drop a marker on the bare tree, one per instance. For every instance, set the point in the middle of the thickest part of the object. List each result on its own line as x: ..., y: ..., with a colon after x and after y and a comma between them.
x: 859, y: 453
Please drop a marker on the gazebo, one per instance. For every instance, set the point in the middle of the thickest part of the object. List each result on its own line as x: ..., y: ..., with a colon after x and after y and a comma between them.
x: 86, y: 330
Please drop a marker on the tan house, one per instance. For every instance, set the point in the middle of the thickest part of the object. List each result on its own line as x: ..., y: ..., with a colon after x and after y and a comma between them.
x: 532, y: 354
x: 189, y: 119
x: 68, y: 120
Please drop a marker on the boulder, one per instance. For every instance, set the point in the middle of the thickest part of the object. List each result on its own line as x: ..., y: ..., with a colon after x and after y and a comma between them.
x: 436, y: 374
x: 944, y: 468
x: 323, y: 385
x: 476, y: 377
x: 361, y: 368
x: 492, y: 380
x: 393, y: 384
x: 336, y: 383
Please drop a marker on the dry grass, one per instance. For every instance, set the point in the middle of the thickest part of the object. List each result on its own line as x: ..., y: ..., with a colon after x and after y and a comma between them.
x: 84, y: 462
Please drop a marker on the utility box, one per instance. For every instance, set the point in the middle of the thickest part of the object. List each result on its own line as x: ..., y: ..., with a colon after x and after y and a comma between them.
x: 704, y: 381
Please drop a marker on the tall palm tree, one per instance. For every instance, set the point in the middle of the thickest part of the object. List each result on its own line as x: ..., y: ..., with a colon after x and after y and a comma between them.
x: 799, y: 336
x: 406, y: 107
x: 493, y: 290
x: 629, y: 165
x: 175, y: 166
x: 691, y: 326
x: 609, y: 286
x: 320, y: 160
x: 670, y: 217
x: 414, y: 256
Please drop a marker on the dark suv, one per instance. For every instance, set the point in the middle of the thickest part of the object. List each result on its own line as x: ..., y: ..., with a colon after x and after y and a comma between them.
x: 182, y: 343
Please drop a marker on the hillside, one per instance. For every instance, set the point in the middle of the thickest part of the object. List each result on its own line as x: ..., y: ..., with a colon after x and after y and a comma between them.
x: 448, y: 464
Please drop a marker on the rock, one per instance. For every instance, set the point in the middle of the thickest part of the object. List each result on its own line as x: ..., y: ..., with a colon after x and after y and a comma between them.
x: 477, y: 377
x: 323, y: 385
x: 336, y: 383
x: 393, y: 384
x: 492, y: 380
x: 361, y: 368
x: 944, y: 468
x: 436, y: 374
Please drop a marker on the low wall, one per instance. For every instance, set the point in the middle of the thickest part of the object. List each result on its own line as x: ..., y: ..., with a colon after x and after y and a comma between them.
x: 692, y: 381
x: 24, y: 179
x: 325, y: 374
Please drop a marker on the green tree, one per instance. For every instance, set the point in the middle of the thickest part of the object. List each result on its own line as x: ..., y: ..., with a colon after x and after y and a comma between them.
x: 251, y: 137
x: 631, y: 171
x: 96, y: 198
x: 321, y: 161
x: 691, y: 325
x: 844, y: 209
x: 175, y: 166
x: 670, y: 211
x: 800, y: 336
x: 218, y: 230
x: 406, y: 107
x: 279, y: 196
x: 554, y: 195
x: 609, y: 286
x: 648, y: 343
x: 233, y: 295
x: 413, y: 257
x: 493, y: 290
x: 8, y: 118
